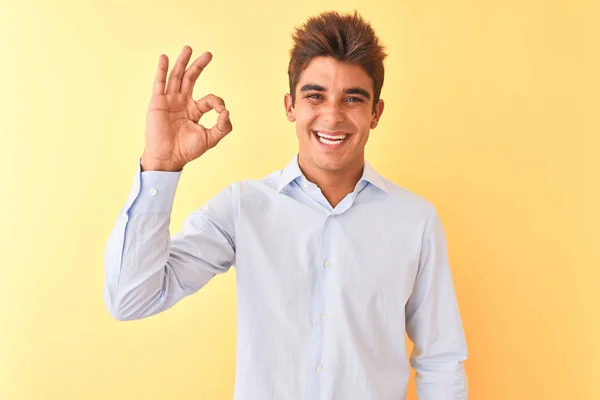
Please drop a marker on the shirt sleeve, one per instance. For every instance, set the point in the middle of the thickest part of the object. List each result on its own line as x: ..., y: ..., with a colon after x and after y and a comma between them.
x: 147, y: 270
x: 434, y: 324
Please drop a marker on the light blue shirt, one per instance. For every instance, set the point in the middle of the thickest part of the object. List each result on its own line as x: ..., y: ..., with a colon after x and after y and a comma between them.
x: 325, y: 295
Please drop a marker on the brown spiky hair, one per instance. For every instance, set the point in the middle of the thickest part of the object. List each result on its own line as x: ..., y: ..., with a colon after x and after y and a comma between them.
x: 346, y: 38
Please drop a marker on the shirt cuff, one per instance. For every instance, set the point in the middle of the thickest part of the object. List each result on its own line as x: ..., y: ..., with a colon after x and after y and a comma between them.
x: 153, y: 191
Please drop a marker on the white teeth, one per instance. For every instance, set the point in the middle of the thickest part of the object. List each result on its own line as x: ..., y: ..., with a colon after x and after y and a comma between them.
x: 330, y: 142
x: 331, y: 137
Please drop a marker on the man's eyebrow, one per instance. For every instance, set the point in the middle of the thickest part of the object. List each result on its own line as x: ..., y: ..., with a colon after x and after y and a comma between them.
x: 309, y: 87
x: 357, y: 90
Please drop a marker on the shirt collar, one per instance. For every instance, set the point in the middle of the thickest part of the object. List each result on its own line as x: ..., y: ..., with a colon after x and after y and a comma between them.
x: 373, y: 177
x: 293, y: 171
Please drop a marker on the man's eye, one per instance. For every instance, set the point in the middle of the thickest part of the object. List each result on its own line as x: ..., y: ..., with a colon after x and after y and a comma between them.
x: 314, y: 96
x: 355, y: 100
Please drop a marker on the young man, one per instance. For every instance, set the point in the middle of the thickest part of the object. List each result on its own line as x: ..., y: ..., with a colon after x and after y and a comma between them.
x: 334, y: 262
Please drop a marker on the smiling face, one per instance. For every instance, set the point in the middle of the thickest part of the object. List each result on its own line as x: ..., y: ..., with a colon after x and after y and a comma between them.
x: 334, y: 114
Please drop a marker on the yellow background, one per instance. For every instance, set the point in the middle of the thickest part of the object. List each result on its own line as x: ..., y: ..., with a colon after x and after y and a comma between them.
x: 492, y: 114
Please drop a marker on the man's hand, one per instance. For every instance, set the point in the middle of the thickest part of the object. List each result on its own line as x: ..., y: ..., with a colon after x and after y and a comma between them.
x: 174, y: 136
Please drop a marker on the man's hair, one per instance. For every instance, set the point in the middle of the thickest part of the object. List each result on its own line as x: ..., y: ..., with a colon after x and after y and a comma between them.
x: 346, y: 38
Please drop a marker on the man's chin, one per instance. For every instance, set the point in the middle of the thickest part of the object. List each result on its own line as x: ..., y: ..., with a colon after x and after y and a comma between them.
x: 332, y: 164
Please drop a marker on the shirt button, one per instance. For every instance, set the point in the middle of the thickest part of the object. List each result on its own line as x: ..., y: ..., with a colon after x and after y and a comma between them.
x: 327, y: 264
x: 333, y: 214
x: 152, y: 191
x: 319, y: 368
x: 305, y: 185
x: 323, y: 316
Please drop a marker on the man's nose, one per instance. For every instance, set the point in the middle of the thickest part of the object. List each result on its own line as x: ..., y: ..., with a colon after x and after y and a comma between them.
x: 332, y: 113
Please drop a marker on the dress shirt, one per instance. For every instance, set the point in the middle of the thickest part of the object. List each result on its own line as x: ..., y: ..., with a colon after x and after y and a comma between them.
x: 325, y: 295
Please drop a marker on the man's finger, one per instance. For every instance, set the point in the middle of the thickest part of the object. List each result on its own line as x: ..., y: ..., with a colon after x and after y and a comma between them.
x: 174, y: 84
x: 193, y: 72
x: 210, y: 102
x: 160, y: 79
x: 222, y: 127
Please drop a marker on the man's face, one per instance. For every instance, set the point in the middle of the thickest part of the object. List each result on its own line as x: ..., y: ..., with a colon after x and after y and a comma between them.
x: 334, y: 113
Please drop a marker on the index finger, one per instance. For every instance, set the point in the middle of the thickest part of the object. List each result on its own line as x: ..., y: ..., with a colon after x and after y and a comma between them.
x: 210, y: 102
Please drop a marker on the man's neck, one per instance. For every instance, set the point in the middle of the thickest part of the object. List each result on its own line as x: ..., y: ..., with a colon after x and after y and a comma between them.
x: 335, y: 185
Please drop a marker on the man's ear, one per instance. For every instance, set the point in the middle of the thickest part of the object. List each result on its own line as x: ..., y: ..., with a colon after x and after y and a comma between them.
x: 289, y: 108
x: 377, y: 114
